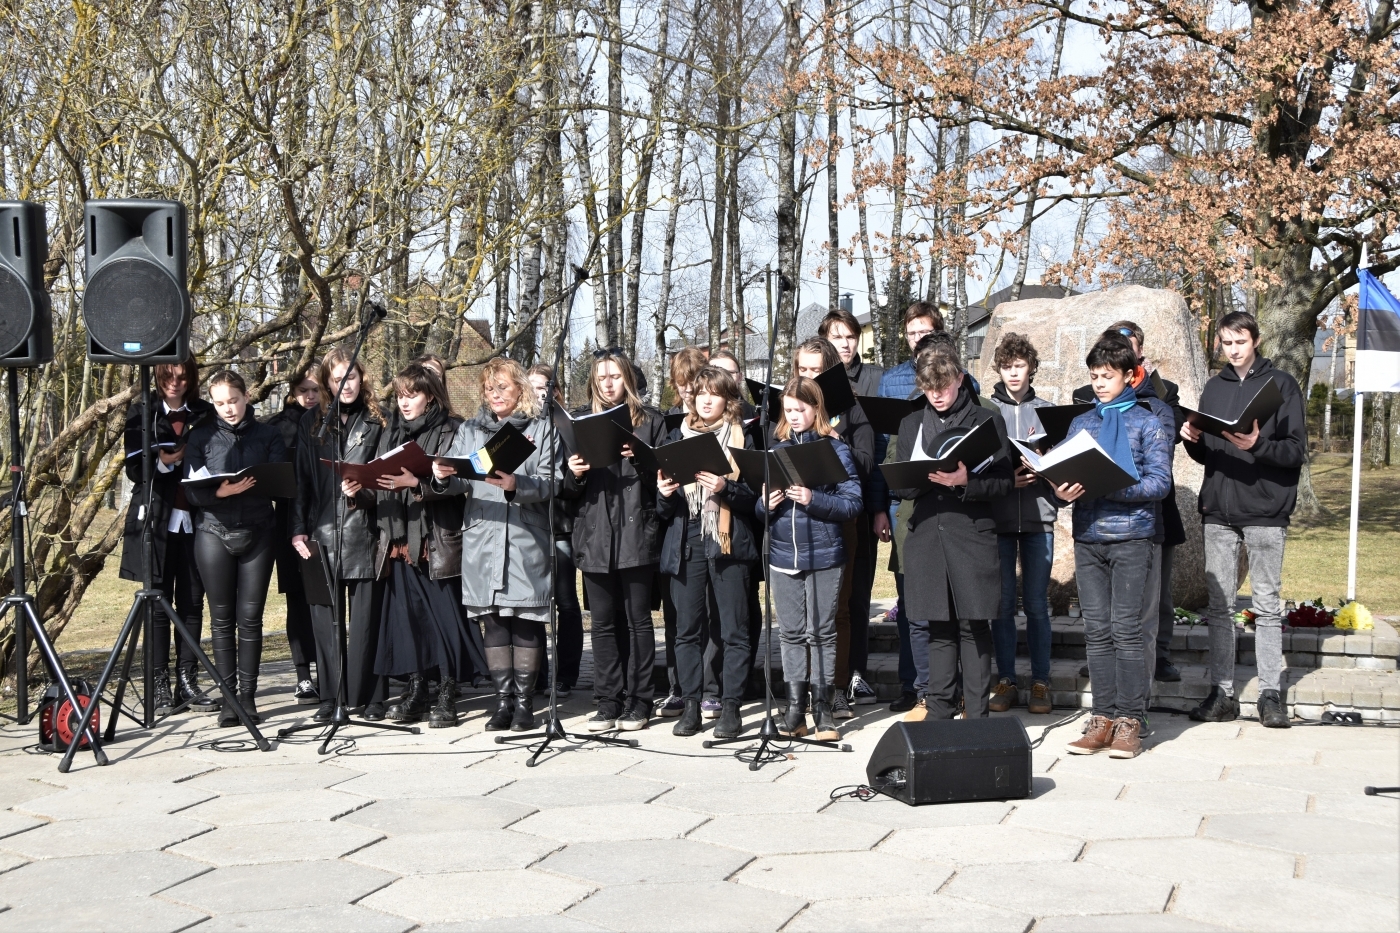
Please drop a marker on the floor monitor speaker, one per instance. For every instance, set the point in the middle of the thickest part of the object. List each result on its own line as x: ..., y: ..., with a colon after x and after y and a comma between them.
x: 26, y: 325
x: 136, y: 306
x: 952, y: 759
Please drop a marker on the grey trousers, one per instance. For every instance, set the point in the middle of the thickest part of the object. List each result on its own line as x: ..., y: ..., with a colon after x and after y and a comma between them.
x: 805, y: 604
x: 1265, y: 547
x: 1151, y: 615
x: 1166, y: 619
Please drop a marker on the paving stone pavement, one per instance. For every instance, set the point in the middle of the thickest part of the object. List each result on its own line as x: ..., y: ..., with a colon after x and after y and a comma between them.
x: 1214, y: 827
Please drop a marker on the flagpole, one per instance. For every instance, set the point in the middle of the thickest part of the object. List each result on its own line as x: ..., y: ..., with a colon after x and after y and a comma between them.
x: 1358, y: 407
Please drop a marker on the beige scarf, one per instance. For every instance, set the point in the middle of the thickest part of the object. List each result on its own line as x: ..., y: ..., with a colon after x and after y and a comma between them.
x: 713, y: 512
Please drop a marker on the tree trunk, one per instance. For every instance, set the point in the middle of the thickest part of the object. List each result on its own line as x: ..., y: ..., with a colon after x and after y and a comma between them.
x: 789, y: 277
x: 614, y: 220
x: 668, y: 250
x: 1023, y: 249
x: 719, y: 217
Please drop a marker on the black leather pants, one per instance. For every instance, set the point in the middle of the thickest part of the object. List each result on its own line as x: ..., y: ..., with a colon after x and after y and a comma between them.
x: 236, y: 587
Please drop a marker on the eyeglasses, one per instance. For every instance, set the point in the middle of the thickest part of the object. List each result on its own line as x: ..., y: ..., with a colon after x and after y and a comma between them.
x: 1126, y: 332
x: 606, y: 352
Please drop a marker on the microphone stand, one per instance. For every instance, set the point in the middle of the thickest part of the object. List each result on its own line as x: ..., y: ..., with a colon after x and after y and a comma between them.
x: 554, y: 728
x: 768, y: 732
x: 341, y: 718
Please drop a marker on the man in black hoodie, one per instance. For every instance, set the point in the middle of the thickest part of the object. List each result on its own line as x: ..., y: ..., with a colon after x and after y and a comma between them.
x: 1247, y: 496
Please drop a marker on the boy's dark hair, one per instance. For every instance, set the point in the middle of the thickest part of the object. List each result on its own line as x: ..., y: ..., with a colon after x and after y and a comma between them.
x: 818, y: 346
x: 936, y: 369
x: 1240, y: 321
x: 940, y: 340
x: 1013, y: 347
x: 924, y: 309
x: 227, y: 377
x: 1114, y: 351
x: 839, y: 316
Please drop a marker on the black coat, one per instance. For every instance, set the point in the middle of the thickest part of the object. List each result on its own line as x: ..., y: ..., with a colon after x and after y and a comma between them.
x: 952, y: 540
x: 221, y: 447
x: 163, y: 489
x: 319, y: 501
x: 616, y: 526
x: 442, y: 513
x: 288, y: 422
x: 674, y: 512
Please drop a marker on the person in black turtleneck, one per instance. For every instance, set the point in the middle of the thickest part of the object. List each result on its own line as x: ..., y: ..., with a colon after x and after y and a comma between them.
x: 953, y: 584
x: 233, y: 542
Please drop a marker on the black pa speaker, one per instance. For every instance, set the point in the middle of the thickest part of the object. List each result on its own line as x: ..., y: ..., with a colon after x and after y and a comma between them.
x: 940, y: 761
x: 135, y: 304
x: 26, y: 326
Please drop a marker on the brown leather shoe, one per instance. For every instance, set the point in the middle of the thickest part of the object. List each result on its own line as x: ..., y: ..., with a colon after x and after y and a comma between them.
x: 1039, y: 700
x: 1126, y: 742
x: 1003, y: 696
x: 919, y: 713
x: 1098, y: 732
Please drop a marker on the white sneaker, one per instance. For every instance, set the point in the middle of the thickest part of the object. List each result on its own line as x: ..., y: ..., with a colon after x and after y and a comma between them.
x: 862, y: 694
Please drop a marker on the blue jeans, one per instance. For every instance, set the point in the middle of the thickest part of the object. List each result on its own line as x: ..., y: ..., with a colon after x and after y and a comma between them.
x: 1037, y: 550
x: 1112, y: 579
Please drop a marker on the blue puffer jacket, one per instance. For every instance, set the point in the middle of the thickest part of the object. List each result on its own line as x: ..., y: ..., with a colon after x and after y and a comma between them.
x: 809, y: 537
x: 1131, y: 513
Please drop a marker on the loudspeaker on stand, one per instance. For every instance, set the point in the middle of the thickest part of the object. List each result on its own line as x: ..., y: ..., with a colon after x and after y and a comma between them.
x: 26, y: 323
x: 136, y: 306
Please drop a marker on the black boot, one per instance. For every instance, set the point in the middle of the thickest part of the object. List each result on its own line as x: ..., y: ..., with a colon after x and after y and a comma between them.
x: 161, y: 683
x: 499, y: 660
x: 689, y: 723
x: 248, y: 680
x: 729, y: 725
x: 414, y: 703
x: 444, y: 714
x: 1272, y: 714
x: 186, y: 683
x: 226, y: 664
x: 824, y: 723
x: 527, y: 668
x: 1217, y: 707
x: 795, y: 719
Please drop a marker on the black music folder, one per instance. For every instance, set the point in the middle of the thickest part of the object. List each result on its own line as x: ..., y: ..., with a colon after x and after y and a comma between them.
x: 1265, y: 402
x: 975, y: 447
x: 1079, y: 460
x: 597, y: 438
x: 837, y: 397
x: 886, y: 414
x: 810, y: 465
x: 503, y: 453
x: 769, y: 395
x: 1054, y: 423
x: 274, y: 480
x: 674, y: 419
x: 681, y: 460
x: 315, y: 576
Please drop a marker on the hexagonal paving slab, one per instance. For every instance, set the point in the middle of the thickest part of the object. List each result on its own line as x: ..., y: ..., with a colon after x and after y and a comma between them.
x: 1301, y: 832
x: 271, y: 779
x: 933, y: 913
x: 976, y: 845
x: 810, y: 878
x: 1049, y: 888
x: 433, y: 814
x: 1109, y: 819
x: 104, y: 836
x: 1290, y: 905
x: 118, y: 915
x: 640, y: 861
x: 779, y: 834
x: 612, y: 822
x: 591, y: 790
x: 1193, y: 859
x: 694, y: 907
x: 283, y: 806
x: 125, y: 799
x: 98, y: 876
x: 347, y: 918
x: 279, y: 886
x: 455, y: 851
x: 261, y: 843
x: 479, y: 895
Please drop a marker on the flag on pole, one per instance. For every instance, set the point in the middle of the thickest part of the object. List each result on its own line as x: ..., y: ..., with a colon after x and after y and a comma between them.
x: 1377, y: 337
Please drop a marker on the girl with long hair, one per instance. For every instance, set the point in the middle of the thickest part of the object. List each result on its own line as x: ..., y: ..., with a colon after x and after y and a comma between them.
x: 617, y: 547
x: 507, y: 540
x: 420, y: 561
x: 340, y: 515
x: 233, y: 542
x: 807, y: 559
x: 708, y: 553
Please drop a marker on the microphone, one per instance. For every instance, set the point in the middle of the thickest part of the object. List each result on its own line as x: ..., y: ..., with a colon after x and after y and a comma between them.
x: 374, y: 311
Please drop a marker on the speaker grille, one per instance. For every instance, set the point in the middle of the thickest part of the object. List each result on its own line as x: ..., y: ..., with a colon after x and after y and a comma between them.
x: 16, y: 311
x: 132, y: 308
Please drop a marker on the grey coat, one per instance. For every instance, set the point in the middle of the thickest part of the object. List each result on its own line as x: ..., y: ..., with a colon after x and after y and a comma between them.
x: 1029, y: 508
x: 506, y: 541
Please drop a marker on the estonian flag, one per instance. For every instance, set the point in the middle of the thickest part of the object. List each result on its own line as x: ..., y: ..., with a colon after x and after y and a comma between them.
x: 1377, y: 337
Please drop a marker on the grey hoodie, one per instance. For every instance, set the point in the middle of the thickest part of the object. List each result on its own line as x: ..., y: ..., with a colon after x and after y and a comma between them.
x: 1029, y: 508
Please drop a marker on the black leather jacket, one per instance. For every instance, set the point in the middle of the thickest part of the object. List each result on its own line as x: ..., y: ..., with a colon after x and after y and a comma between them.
x: 221, y: 447
x: 319, y: 501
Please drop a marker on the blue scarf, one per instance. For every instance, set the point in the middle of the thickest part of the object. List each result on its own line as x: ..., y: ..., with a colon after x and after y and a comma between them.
x: 1113, y: 435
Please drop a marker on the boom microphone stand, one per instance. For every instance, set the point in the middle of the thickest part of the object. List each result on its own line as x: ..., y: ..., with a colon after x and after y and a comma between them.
x: 341, y: 717
x: 143, y: 606
x: 553, y: 728
x: 768, y: 732
x: 23, y: 604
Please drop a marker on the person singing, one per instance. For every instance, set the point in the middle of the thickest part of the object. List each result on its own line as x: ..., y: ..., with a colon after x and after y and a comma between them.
x: 179, y: 411
x: 506, y: 545
x: 234, y: 545
x: 807, y: 557
x: 617, y: 547
x: 420, y: 560
x: 708, y: 553
x: 340, y: 514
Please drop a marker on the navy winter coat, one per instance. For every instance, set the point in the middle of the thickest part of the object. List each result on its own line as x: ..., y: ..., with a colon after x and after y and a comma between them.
x: 809, y: 537
x: 1128, y: 514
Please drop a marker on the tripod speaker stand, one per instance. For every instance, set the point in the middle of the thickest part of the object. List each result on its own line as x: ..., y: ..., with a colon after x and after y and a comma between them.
x: 143, y: 607
x: 340, y: 717
x: 553, y: 728
x: 768, y: 732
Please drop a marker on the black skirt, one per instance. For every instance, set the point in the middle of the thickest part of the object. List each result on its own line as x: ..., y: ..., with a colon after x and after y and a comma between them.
x: 422, y: 629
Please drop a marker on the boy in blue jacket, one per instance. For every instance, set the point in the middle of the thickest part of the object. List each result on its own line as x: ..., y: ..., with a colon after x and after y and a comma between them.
x: 1113, y: 549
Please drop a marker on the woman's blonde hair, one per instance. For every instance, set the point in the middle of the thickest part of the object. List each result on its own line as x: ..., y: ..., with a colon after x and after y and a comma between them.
x: 714, y: 381
x: 629, y: 383
x: 529, y: 403
x: 807, y: 391
x: 368, y: 394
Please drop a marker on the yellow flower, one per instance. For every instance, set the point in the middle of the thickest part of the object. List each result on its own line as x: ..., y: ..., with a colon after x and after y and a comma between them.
x: 1354, y: 616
